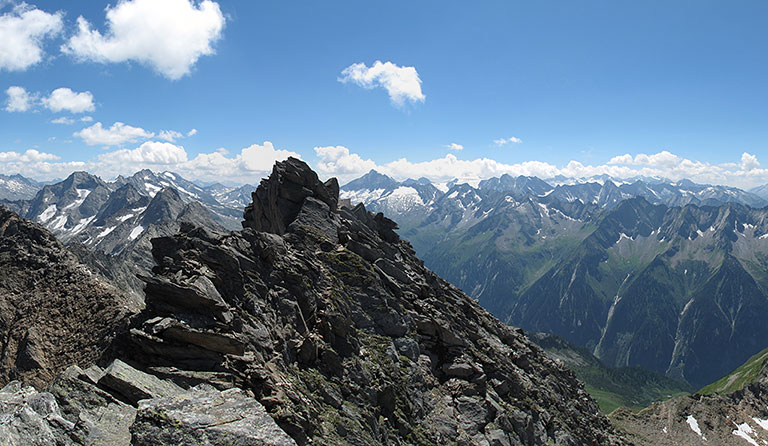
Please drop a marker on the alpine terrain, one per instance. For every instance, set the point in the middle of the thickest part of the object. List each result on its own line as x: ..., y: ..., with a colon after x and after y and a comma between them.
x: 314, y: 324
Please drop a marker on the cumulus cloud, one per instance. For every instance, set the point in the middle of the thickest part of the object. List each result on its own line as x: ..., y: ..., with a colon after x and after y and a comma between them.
x: 19, y: 99
x: 249, y: 165
x: 337, y: 161
x: 454, y: 146
x: 168, y: 36
x: 149, y: 153
x: 22, y: 34
x: 402, y: 83
x: 117, y: 134
x: 502, y: 141
x: 64, y: 99
x: 660, y: 159
x: 192, y: 132
x: 749, y: 162
x: 60, y: 99
x: 30, y: 155
x: 261, y: 158
x: 35, y: 164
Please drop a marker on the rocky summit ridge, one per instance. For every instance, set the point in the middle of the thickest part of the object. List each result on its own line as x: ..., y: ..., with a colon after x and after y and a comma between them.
x: 315, y: 324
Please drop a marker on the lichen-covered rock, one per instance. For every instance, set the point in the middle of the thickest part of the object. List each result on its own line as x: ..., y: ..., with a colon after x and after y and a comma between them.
x: 31, y: 418
x: 344, y: 336
x: 208, y: 417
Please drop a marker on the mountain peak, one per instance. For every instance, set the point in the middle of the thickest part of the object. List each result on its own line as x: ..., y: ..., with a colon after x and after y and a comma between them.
x: 371, y: 181
x: 82, y: 179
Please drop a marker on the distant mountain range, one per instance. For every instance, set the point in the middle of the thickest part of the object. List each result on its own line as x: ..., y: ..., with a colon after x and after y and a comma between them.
x: 110, y: 224
x: 667, y: 275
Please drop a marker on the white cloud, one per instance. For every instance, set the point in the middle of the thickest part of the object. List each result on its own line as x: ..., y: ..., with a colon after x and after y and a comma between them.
x: 192, y: 132
x: 661, y: 159
x: 86, y: 119
x: 261, y: 158
x: 149, y: 153
x: 749, y: 162
x: 30, y: 155
x: 502, y: 141
x: 64, y: 99
x: 454, y: 146
x: 622, y: 159
x: 402, y: 83
x: 119, y: 133
x: 169, y: 35
x: 169, y: 135
x: 22, y: 33
x: 255, y: 162
x: 19, y: 99
x: 339, y: 162
x: 249, y: 165
x: 63, y: 120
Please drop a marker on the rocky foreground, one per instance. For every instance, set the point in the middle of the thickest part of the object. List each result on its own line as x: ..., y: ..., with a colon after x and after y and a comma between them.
x: 313, y: 325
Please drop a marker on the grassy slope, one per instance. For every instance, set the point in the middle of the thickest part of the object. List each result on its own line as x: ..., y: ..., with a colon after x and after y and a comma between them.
x: 736, y: 380
x: 632, y: 387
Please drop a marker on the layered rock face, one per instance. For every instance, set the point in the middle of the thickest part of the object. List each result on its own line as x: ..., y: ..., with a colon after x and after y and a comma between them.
x: 330, y: 321
x: 53, y: 311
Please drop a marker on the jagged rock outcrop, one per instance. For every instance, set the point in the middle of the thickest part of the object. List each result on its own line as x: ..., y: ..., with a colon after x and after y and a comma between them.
x: 53, y: 311
x: 329, y: 320
x: 280, y: 198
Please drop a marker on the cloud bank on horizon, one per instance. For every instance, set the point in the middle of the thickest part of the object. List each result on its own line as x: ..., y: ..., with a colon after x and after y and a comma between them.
x: 255, y: 162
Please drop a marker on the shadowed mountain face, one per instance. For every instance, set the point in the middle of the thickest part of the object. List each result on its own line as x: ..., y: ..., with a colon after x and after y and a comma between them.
x: 328, y: 317
x: 677, y: 290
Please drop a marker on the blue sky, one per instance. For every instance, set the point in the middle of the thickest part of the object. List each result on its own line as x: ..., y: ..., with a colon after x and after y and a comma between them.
x: 680, y: 86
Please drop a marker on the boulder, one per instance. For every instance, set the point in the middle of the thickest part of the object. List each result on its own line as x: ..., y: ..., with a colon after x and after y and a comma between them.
x: 135, y: 385
x: 203, y: 416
